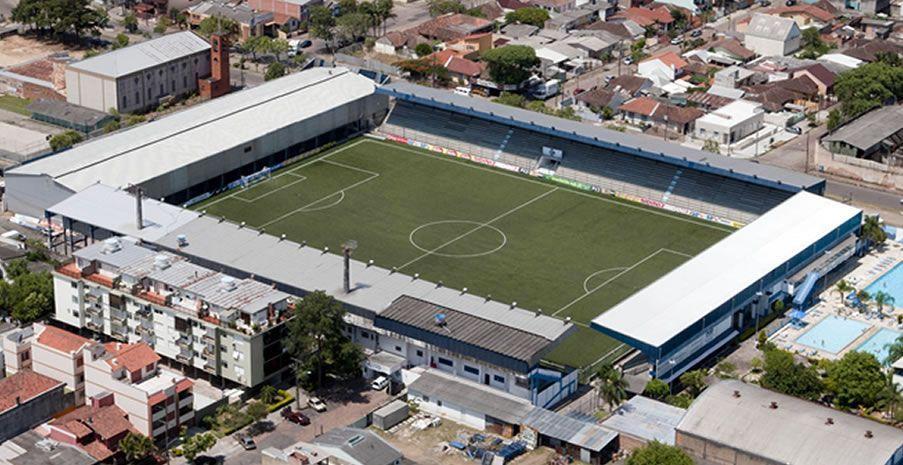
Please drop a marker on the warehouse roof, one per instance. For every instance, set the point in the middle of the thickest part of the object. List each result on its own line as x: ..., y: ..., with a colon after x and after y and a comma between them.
x: 644, y: 146
x: 358, y: 447
x: 646, y: 419
x: 740, y: 416
x: 143, y: 55
x: 463, y: 327
x: 68, y: 112
x: 871, y: 128
x: 690, y: 292
x: 580, y: 433
x: 772, y: 27
x: 160, y: 147
x: 472, y: 396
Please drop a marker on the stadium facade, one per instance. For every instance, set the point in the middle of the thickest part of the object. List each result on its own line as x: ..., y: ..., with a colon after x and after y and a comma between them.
x: 204, y: 148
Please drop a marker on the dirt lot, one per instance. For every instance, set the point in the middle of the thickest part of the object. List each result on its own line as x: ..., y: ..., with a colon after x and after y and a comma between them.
x: 430, y: 446
x: 18, y: 49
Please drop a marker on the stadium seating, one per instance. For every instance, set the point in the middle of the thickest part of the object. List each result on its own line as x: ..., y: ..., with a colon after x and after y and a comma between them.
x: 611, y: 171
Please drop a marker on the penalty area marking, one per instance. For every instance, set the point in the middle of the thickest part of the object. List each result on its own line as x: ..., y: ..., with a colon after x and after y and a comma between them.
x: 597, y: 273
x: 454, y: 255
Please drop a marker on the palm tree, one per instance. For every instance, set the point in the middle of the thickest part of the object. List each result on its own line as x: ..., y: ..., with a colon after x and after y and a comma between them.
x: 864, y: 298
x: 384, y: 11
x: 843, y: 288
x: 891, y: 394
x: 268, y: 394
x: 894, y: 352
x: 881, y: 299
x: 872, y: 230
x: 612, y: 387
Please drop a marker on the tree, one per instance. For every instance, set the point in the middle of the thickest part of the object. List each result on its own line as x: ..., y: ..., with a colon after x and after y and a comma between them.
x: 726, y: 370
x: 317, y: 342
x: 441, y: 7
x: 612, y: 387
x: 856, y: 380
x: 322, y: 24
x: 268, y: 394
x: 533, y: 16
x: 891, y: 395
x: 694, y: 381
x: 843, y: 288
x: 136, y: 446
x: 657, y: 389
x: 423, y: 49
x: 783, y: 374
x: 383, y: 10
x: 121, y: 41
x: 711, y: 145
x: 192, y: 446
x: 130, y: 23
x: 511, y: 64
x: 347, y: 7
x: 352, y: 26
x: 257, y: 411
x: 218, y: 25
x: 881, y: 299
x: 274, y: 71
x: 279, y: 47
x: 64, y: 140
x: 656, y: 453
x: 894, y: 352
x: 812, y: 44
x: 163, y: 24
x: 636, y: 49
x: 872, y: 231
x: 866, y: 87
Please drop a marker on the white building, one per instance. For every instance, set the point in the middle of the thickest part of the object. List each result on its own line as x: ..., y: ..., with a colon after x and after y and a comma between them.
x: 772, y: 35
x: 731, y: 122
x: 137, y: 77
x: 158, y: 402
x: 662, y: 69
x: 50, y: 351
x: 200, y: 319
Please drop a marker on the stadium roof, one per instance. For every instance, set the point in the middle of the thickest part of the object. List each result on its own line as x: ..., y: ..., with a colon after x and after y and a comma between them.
x: 217, y: 243
x: 154, y: 149
x: 690, y: 292
x: 143, y: 55
x: 739, y: 416
x: 648, y: 147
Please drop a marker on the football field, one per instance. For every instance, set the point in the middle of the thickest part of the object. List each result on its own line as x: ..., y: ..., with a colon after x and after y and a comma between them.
x: 517, y: 239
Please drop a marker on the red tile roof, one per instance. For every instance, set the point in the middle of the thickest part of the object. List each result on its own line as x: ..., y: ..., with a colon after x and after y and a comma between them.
x: 108, y: 423
x: 669, y: 58
x: 133, y: 357
x: 61, y: 340
x: 812, y: 11
x: 641, y: 106
x: 646, y: 17
x: 456, y: 64
x: 819, y: 72
x: 23, y: 386
x: 513, y: 4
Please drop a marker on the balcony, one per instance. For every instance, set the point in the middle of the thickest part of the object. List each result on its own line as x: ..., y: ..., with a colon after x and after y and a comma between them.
x: 186, y: 402
x: 119, y: 316
x: 70, y: 270
x: 93, y: 325
x: 94, y: 310
x: 184, y: 342
x: 209, y: 350
x: 184, y: 356
x: 210, y: 367
x: 210, y: 335
x: 152, y: 297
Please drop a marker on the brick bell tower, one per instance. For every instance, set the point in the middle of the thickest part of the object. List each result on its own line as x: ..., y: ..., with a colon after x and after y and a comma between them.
x: 218, y: 82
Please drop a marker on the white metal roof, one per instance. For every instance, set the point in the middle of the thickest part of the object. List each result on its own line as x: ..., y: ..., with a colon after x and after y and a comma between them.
x: 682, y: 297
x: 732, y: 114
x: 772, y: 27
x: 150, y: 150
x: 143, y: 55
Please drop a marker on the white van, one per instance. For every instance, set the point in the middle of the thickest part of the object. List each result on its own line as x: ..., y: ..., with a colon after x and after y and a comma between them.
x: 379, y: 383
x: 463, y: 90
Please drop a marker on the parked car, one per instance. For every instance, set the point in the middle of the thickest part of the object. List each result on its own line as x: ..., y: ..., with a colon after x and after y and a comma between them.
x: 379, y: 383
x: 316, y: 404
x: 306, y: 43
x: 628, y: 60
x: 295, y: 417
x: 205, y: 460
x: 696, y: 33
x: 677, y: 41
x: 247, y: 442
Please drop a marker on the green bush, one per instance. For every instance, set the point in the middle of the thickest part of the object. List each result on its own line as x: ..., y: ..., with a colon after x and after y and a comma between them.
x: 285, y: 398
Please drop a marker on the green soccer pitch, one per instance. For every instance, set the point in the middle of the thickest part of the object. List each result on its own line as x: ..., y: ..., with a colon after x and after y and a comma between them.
x: 545, y: 246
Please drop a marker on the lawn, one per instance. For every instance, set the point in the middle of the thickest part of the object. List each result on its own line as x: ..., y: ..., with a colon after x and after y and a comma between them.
x: 570, y: 253
x: 15, y: 104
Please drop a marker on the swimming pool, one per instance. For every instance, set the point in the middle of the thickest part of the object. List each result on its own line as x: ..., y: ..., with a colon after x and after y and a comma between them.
x: 877, y: 344
x: 832, y: 334
x: 890, y: 282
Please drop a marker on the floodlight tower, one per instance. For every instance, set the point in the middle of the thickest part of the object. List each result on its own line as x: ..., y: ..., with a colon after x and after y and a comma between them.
x: 348, y: 247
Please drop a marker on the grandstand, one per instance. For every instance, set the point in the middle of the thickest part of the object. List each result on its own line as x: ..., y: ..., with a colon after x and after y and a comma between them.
x: 730, y: 191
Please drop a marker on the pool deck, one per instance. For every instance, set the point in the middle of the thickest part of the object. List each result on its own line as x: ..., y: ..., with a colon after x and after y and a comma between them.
x: 870, y: 268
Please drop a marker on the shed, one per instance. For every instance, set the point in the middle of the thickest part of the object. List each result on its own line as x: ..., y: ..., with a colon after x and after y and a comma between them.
x: 390, y: 415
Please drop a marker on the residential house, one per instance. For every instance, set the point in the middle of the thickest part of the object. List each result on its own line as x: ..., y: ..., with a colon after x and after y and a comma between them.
x: 576, y: 18
x: 398, y: 43
x: 28, y: 399
x: 95, y: 429
x: 291, y: 13
x: 157, y: 402
x: 692, y: 6
x: 731, y: 122
x: 669, y: 118
x: 772, y: 35
x: 554, y: 6
x: 597, y: 44
x: 622, y: 29
x: 864, y: 7
x: 57, y: 354
x: 339, y: 446
x: 512, y: 5
x: 734, y: 77
x: 822, y: 77
x: 804, y: 14
x: 659, y: 18
x: 733, y: 49
x: 518, y: 31
x: 473, y: 45
x: 876, y: 136
x: 662, y: 68
x: 630, y: 85
x: 598, y: 98
x: 801, y: 92
x: 30, y: 448
x: 251, y: 23
x: 460, y: 69
x: 452, y: 27
x: 17, y: 350
x: 868, y: 51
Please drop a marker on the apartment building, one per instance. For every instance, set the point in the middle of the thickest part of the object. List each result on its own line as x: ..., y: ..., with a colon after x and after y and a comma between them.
x: 49, y: 351
x: 203, y: 322
x: 158, y: 402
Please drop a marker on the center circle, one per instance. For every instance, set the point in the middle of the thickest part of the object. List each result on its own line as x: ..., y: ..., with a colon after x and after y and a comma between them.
x: 438, y: 225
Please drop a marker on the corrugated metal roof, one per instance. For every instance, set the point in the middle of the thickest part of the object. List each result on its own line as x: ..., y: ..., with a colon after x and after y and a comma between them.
x: 796, y: 432
x: 570, y: 430
x: 772, y: 27
x: 463, y: 327
x: 649, y: 147
x: 160, y: 147
x: 871, y: 128
x: 646, y: 419
x: 471, y: 396
x: 674, y: 302
x: 143, y: 55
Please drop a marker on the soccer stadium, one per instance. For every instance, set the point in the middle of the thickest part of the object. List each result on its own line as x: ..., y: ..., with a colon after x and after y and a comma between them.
x: 640, y: 243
